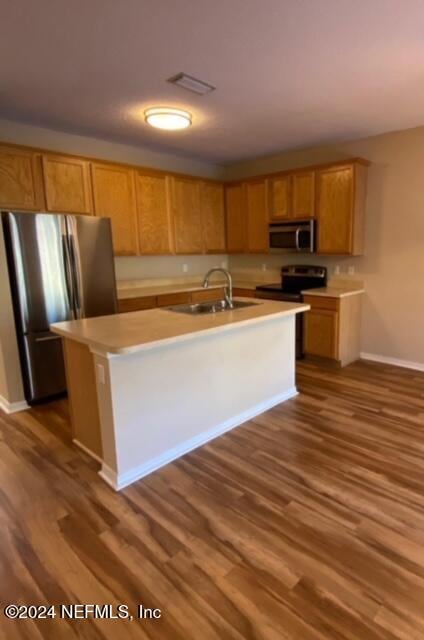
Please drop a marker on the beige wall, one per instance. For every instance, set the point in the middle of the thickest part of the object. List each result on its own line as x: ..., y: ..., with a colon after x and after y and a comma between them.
x: 17, y: 133
x: 132, y: 268
x: 393, y: 264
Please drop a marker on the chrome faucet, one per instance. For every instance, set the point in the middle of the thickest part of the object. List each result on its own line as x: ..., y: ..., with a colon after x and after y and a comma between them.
x: 228, y: 289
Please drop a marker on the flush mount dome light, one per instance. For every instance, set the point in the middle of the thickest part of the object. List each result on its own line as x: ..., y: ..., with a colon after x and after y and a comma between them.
x: 167, y: 118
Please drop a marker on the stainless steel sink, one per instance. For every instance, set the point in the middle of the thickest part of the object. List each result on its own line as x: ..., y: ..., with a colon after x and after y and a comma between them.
x: 210, y: 307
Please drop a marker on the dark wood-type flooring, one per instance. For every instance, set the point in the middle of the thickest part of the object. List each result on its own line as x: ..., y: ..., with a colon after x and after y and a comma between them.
x: 306, y: 523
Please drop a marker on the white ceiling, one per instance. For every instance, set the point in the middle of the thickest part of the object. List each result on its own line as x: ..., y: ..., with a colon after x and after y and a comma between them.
x: 288, y: 73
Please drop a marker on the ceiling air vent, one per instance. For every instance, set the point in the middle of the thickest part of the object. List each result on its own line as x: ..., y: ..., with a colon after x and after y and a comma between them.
x: 191, y: 84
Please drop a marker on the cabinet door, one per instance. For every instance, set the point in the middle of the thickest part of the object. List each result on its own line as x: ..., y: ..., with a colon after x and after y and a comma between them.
x: 67, y: 184
x: 20, y: 179
x: 257, y: 217
x: 303, y: 194
x: 213, y: 217
x: 114, y: 198
x: 321, y: 333
x: 154, y: 214
x: 279, y: 190
x: 126, y: 305
x: 335, y: 210
x: 235, y: 218
x: 187, y: 217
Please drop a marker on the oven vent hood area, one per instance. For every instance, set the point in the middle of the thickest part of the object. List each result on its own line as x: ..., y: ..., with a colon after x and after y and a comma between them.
x: 292, y: 237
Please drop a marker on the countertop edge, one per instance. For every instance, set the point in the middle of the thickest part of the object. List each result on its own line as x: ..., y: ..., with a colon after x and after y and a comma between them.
x: 333, y: 293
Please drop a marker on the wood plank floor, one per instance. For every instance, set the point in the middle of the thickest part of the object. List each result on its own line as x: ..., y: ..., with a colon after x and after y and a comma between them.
x: 306, y: 523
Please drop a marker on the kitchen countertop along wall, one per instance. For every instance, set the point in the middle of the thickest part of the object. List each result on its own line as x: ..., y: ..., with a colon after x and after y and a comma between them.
x: 159, y: 286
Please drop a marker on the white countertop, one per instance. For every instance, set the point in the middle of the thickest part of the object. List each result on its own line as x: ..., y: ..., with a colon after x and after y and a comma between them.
x: 333, y: 292
x: 140, y: 330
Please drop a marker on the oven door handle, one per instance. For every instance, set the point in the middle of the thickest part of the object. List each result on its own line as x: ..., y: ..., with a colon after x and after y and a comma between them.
x: 297, y: 238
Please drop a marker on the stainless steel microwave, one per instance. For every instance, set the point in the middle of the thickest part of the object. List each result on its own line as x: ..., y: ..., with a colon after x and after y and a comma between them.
x: 292, y: 237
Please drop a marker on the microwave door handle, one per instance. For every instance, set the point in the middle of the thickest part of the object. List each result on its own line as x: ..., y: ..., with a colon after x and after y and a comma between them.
x: 297, y: 239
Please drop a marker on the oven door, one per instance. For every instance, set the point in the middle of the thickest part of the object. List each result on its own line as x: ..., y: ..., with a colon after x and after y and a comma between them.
x: 292, y: 237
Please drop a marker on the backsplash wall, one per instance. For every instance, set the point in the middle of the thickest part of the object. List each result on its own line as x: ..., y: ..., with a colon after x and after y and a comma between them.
x: 146, y: 267
x: 249, y: 265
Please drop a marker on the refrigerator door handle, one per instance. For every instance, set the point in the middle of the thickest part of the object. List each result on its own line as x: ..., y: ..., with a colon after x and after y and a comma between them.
x: 68, y: 274
x: 75, y: 279
x: 47, y: 338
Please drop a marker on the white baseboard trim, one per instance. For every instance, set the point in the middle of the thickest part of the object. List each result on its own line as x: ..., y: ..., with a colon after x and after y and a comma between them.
x: 13, y: 407
x: 82, y: 446
x: 120, y: 481
x: 397, y: 362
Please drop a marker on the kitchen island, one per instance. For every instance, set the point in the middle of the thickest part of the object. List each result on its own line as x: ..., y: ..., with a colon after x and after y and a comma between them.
x: 147, y: 387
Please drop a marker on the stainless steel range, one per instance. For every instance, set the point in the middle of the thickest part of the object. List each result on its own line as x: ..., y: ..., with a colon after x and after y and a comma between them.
x: 295, y: 279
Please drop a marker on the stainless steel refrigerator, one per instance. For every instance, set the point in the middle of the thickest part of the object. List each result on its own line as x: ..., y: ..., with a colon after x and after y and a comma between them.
x: 61, y: 268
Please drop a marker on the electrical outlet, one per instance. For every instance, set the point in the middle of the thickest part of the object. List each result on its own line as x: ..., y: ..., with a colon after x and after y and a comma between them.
x: 101, y: 374
x: 337, y: 270
x: 185, y: 267
x: 351, y: 270
x: 264, y: 266
x: 224, y: 264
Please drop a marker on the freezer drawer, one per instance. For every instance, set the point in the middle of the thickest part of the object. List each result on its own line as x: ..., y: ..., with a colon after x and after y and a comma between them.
x: 42, y: 356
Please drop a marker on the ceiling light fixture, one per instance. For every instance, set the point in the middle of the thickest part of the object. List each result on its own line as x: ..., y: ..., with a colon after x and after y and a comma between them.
x: 167, y: 118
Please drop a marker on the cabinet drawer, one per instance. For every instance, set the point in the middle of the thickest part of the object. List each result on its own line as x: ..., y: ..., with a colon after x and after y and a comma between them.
x: 244, y: 293
x: 136, y: 304
x: 206, y: 295
x: 321, y: 333
x: 168, y: 299
x: 321, y: 302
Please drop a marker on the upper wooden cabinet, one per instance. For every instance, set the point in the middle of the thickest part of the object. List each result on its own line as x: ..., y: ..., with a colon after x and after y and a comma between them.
x: 279, y: 192
x: 235, y: 218
x: 291, y: 196
x: 257, y: 217
x: 67, y: 184
x: 20, y: 179
x: 154, y: 213
x: 213, y: 217
x: 303, y: 194
x: 341, y: 194
x: 114, y: 197
x: 187, y: 215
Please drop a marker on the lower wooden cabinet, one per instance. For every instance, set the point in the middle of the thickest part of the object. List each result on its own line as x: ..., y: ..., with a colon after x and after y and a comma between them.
x: 332, y: 328
x: 207, y: 295
x: 21, y: 185
x: 244, y: 293
x: 136, y: 304
x: 168, y: 299
x: 321, y: 333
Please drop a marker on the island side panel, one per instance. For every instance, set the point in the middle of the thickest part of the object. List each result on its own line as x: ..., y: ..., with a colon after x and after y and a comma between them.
x: 82, y: 393
x: 170, y: 399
